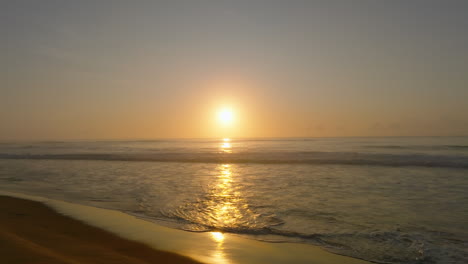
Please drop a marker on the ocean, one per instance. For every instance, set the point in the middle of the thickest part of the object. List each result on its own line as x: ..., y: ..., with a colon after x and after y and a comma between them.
x: 386, y: 200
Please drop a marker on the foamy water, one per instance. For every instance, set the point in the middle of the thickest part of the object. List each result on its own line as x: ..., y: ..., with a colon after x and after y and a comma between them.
x: 390, y: 200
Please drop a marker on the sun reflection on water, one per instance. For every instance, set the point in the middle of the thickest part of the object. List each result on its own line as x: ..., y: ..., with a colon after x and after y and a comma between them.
x: 217, y: 236
x: 222, y: 207
x: 227, y: 202
x: 226, y: 146
x: 218, y: 255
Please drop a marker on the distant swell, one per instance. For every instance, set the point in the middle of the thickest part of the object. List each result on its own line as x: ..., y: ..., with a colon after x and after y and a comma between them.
x: 421, y: 147
x: 338, y: 158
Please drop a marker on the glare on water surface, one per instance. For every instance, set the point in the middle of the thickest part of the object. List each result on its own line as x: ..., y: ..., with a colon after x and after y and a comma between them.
x: 226, y: 146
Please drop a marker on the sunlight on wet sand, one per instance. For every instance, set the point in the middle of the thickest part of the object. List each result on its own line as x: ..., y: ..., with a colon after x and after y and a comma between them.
x: 208, y: 247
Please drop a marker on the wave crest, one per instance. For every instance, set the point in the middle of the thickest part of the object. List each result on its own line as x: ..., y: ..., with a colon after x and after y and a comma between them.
x: 315, y: 157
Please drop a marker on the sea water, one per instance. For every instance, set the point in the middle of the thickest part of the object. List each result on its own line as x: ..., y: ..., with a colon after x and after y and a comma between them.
x: 388, y: 200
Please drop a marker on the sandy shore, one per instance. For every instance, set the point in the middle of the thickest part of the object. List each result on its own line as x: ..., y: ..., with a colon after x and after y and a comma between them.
x: 30, y: 232
x: 38, y: 230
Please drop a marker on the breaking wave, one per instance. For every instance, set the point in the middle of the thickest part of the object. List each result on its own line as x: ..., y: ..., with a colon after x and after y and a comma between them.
x: 306, y: 157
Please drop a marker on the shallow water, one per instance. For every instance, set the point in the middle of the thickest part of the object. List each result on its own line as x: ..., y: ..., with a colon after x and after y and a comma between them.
x: 390, y: 200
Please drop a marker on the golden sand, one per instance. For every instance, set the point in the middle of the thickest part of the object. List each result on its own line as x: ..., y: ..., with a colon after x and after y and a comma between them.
x: 30, y: 232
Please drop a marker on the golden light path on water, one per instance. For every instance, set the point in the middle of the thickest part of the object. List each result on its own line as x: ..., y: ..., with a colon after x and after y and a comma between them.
x: 225, y: 210
x: 226, y: 146
x: 219, y: 254
x: 217, y: 236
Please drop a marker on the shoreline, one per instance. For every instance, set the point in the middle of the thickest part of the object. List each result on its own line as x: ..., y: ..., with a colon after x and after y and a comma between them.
x: 31, y: 232
x: 155, y: 241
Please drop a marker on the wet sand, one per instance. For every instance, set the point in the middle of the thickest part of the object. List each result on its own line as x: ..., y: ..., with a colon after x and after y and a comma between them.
x: 38, y: 230
x: 31, y: 232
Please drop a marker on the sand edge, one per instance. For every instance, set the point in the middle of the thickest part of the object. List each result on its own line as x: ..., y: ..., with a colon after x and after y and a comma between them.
x: 203, y: 247
x: 32, y: 232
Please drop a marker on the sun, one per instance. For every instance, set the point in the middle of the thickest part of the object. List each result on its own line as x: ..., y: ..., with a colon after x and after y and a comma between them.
x: 226, y: 116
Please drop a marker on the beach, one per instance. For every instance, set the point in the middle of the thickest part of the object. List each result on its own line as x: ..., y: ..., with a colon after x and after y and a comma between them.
x: 31, y: 232
x: 41, y: 230
x: 234, y: 132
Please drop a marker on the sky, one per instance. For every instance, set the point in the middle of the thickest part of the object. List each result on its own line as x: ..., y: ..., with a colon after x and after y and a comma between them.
x: 164, y: 69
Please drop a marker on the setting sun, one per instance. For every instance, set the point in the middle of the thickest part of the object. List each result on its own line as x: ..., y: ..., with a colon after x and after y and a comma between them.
x: 226, y: 116
x: 337, y: 128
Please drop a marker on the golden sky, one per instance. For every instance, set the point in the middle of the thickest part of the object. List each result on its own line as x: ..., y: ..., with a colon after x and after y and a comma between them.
x: 164, y: 69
